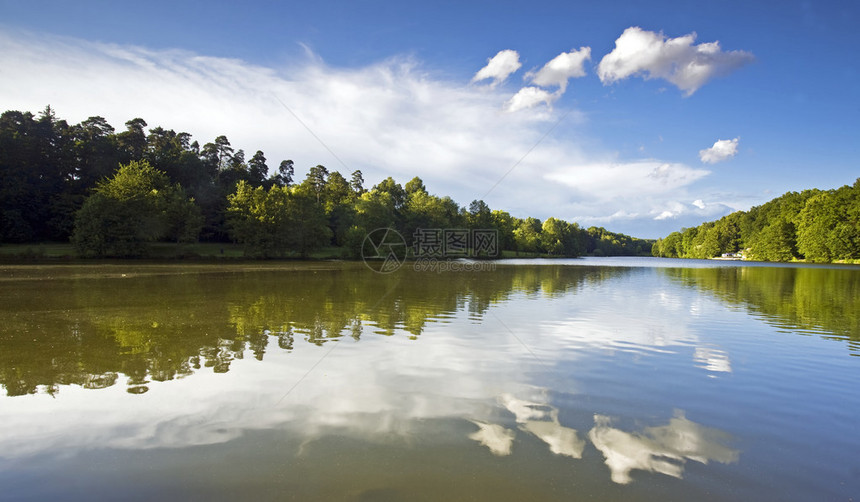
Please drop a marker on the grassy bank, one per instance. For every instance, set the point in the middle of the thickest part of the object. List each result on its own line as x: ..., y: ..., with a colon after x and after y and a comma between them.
x: 58, y: 251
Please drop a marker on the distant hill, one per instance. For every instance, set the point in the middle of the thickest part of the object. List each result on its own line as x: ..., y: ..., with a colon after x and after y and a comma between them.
x: 813, y: 225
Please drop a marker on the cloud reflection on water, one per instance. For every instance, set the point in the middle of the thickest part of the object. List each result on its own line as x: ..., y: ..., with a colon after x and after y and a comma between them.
x: 662, y: 449
x: 495, y: 437
x: 372, y: 388
x: 542, y: 421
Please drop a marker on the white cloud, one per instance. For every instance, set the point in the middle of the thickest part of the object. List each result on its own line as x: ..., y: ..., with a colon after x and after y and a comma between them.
x: 638, y: 197
x: 556, y: 73
x: 672, y: 210
x: 723, y: 149
x: 627, y: 179
x: 529, y: 97
x: 698, y: 210
x: 390, y: 118
x: 563, y: 67
x: 499, y: 67
x: 677, y: 60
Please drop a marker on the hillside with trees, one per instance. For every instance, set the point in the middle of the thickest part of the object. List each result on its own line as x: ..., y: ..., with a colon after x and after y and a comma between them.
x: 813, y: 225
x: 113, y: 194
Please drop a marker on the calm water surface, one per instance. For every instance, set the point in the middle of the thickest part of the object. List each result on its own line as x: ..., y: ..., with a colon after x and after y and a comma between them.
x: 597, y: 379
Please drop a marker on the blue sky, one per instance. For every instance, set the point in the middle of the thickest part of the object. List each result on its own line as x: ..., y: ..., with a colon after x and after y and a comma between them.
x: 656, y: 130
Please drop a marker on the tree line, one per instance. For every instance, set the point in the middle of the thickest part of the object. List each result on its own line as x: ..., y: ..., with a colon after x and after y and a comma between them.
x: 113, y: 193
x: 812, y: 225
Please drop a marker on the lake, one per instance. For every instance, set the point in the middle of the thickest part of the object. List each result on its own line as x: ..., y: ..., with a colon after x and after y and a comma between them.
x: 588, y: 379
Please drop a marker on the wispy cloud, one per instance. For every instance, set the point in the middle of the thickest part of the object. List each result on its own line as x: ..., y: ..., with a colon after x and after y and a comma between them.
x: 723, y: 149
x: 678, y: 60
x: 627, y: 179
x: 499, y: 67
x: 389, y: 118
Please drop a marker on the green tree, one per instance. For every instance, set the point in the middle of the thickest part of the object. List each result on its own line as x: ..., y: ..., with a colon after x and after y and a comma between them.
x: 375, y: 209
x: 260, y: 220
x: 479, y: 215
x: 552, y: 236
x: 309, y: 230
x: 43, y: 185
x: 829, y: 225
x: 372, y: 210
x: 257, y: 169
x: 96, y: 151
x: 223, y: 152
x: 559, y: 237
x: 175, y: 155
x: 688, y: 242
x: 711, y: 243
x: 504, y: 223
x: 423, y: 210
x: 415, y: 185
x: 183, y: 219
x: 132, y: 141
x: 356, y: 183
x: 131, y: 209
x: 527, y: 235
x: 671, y: 246
x: 19, y: 181
x: 336, y: 192
x: 315, y: 181
x: 657, y: 248
x: 338, y: 206
x: 284, y: 178
x: 391, y: 187
x: 775, y: 242
x: 272, y: 223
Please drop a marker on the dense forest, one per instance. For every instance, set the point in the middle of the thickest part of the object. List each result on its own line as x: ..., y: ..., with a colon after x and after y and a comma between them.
x: 112, y: 194
x: 813, y: 225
